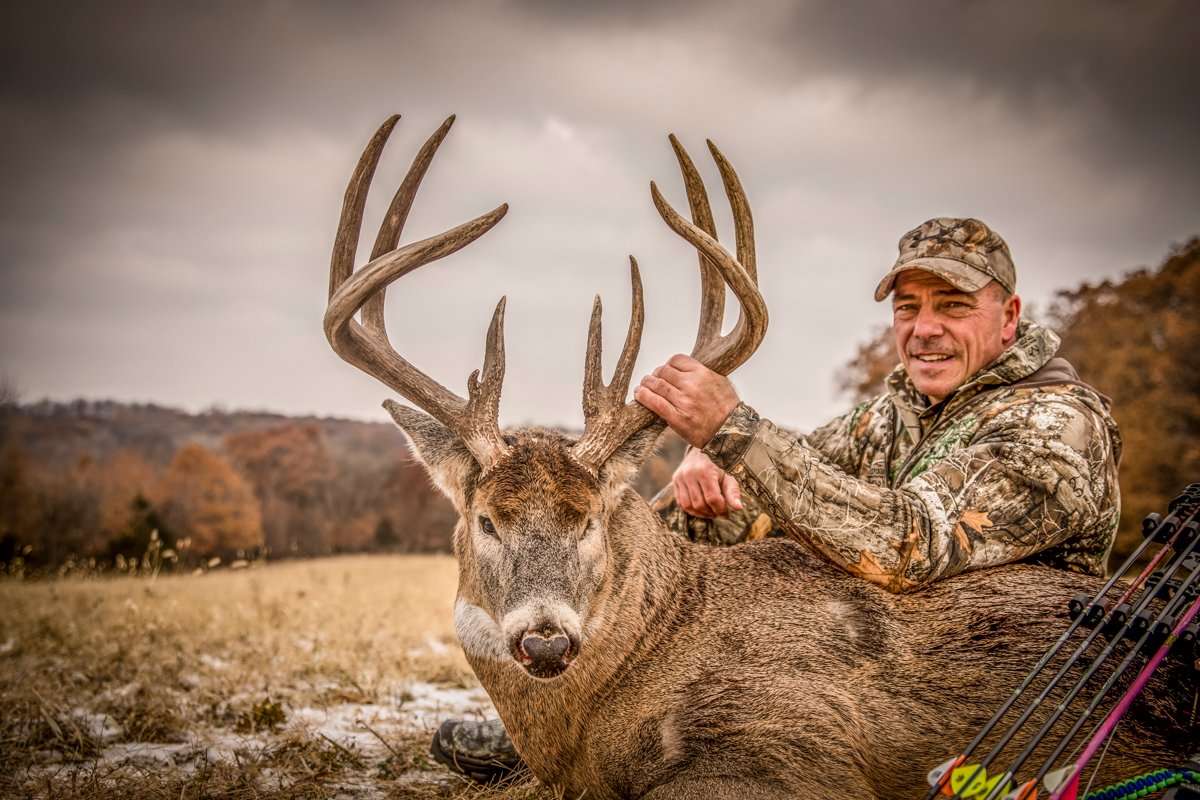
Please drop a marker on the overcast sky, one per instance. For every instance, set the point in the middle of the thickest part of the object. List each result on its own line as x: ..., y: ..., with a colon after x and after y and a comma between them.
x: 172, y: 176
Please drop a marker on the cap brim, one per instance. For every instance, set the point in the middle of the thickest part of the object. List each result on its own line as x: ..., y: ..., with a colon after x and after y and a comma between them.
x: 956, y: 273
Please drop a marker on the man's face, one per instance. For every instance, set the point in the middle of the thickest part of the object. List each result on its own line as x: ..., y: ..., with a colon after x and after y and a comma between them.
x: 945, y: 335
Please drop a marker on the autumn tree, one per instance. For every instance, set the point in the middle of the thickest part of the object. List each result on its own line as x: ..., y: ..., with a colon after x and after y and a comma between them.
x: 292, y: 473
x: 863, y: 375
x: 1137, y: 339
x: 17, y: 502
x: 142, y: 525
x: 118, y: 482
x: 204, y: 499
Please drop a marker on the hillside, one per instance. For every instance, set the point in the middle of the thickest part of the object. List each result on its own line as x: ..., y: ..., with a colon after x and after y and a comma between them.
x: 95, y: 479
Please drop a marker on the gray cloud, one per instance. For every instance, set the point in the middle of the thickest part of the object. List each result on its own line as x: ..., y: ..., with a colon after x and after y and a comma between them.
x: 173, y: 176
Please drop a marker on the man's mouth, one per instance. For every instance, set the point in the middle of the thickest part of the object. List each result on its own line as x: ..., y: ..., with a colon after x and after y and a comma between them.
x: 932, y: 358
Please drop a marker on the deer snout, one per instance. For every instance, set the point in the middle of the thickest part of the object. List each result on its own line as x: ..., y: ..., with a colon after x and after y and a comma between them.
x: 545, y: 655
x: 544, y: 640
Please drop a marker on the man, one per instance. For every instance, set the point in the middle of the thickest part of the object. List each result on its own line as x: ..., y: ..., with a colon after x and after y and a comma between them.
x: 985, y: 449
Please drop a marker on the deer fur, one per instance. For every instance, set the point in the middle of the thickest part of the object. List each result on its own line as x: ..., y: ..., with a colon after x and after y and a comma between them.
x: 743, y: 672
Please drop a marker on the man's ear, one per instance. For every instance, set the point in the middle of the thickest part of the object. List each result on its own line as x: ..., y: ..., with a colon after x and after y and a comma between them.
x: 444, y: 456
x: 623, y: 464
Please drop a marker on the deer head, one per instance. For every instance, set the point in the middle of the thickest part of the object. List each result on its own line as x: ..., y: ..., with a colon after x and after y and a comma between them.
x: 533, y: 539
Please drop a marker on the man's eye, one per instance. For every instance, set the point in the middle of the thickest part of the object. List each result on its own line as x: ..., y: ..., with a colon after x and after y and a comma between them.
x: 487, y: 526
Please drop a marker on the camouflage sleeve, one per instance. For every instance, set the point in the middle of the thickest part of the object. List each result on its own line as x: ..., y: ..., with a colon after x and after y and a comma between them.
x: 836, y: 440
x: 752, y: 522
x: 1037, y: 471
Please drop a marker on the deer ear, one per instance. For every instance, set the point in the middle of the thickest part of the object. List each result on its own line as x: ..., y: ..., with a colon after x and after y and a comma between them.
x: 447, y: 460
x: 623, y: 464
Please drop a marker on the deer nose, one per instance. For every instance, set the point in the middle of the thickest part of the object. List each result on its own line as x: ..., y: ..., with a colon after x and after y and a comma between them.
x: 545, y: 656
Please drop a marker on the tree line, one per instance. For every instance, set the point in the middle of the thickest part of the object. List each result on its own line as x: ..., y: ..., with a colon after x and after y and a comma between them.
x: 280, y: 489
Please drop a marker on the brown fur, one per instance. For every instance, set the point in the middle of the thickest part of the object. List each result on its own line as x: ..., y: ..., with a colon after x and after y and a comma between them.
x: 752, y: 671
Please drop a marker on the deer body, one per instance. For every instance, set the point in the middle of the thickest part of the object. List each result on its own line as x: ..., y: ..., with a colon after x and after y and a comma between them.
x: 729, y: 671
x: 628, y: 662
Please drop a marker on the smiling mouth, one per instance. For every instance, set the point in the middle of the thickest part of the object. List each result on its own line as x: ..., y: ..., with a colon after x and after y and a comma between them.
x: 932, y: 358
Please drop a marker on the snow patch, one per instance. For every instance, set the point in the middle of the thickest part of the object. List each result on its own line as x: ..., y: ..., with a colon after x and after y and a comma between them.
x: 427, y: 704
x: 213, y: 662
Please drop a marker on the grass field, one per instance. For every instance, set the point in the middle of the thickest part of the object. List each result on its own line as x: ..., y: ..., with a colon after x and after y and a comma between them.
x: 300, y: 679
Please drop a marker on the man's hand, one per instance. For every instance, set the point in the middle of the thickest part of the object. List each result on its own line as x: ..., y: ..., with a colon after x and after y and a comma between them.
x: 689, y: 397
x: 703, y: 489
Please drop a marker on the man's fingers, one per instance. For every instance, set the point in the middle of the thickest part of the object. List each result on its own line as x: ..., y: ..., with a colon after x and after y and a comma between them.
x: 691, y: 501
x: 684, y: 363
x: 709, y: 485
x: 732, y: 491
x: 664, y: 389
x: 683, y: 497
x: 656, y: 403
x: 671, y: 375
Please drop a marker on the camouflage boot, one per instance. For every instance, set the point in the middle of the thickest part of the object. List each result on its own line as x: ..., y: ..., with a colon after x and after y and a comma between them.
x: 481, y: 751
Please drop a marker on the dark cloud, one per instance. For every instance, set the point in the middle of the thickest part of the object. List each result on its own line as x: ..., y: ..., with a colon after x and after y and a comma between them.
x: 1131, y: 65
x: 173, y: 173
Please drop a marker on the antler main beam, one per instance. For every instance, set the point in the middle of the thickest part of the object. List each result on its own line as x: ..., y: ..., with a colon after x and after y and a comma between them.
x: 609, y: 420
x: 365, y: 343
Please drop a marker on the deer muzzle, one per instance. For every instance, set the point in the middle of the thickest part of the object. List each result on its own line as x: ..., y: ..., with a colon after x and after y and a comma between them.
x: 544, y: 643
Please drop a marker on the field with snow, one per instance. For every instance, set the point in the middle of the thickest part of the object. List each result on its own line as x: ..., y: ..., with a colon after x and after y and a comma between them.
x: 301, y: 679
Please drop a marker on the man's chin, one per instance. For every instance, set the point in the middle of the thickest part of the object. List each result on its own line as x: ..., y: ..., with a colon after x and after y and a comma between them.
x: 934, y: 383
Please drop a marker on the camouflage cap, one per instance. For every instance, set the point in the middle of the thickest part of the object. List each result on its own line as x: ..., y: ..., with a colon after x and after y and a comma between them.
x: 963, y: 252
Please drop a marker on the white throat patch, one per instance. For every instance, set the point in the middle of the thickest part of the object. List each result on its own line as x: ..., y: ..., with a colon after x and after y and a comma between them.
x: 478, y: 633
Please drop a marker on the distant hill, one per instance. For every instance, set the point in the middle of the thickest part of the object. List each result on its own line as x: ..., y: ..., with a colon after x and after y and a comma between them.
x: 95, y: 478
x: 59, y: 433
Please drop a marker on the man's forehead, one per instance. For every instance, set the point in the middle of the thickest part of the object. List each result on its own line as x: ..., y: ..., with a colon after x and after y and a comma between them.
x: 918, y: 280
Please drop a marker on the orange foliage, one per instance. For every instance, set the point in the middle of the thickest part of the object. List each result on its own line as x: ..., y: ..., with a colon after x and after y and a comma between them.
x: 292, y: 474
x: 204, y: 499
x: 121, y: 479
x: 1138, y: 341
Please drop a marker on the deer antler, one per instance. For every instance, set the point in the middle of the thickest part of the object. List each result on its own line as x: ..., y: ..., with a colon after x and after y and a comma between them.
x: 609, y: 420
x: 365, y: 344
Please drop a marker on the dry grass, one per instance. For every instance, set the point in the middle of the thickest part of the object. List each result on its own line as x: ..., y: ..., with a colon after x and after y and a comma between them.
x: 299, y: 679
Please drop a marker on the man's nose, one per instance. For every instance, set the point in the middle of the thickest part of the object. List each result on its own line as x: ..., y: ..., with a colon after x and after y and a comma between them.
x: 927, y: 324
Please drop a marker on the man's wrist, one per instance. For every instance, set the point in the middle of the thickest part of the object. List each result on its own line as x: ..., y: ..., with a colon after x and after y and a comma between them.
x: 729, y: 443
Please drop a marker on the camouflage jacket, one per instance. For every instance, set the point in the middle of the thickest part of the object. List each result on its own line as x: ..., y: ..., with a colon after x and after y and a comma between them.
x: 1020, y: 463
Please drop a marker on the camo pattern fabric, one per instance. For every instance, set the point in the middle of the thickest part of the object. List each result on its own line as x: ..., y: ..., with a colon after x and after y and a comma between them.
x: 1019, y: 464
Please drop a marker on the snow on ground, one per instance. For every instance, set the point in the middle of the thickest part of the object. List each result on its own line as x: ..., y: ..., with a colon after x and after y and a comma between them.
x: 420, y: 707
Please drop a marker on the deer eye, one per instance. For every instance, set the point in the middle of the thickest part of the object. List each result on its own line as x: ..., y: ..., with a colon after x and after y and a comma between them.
x: 487, y: 526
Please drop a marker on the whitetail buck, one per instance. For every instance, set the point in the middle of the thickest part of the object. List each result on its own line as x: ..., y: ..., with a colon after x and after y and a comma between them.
x: 628, y: 662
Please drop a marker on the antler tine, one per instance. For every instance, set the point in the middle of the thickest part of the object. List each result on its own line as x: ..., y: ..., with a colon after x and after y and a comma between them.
x: 397, y: 214
x: 366, y: 346
x: 606, y: 431
x: 604, y: 406
x: 725, y: 353
x: 599, y: 398
x: 482, y: 432
x: 712, y: 287
x: 346, y: 243
x: 743, y: 222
